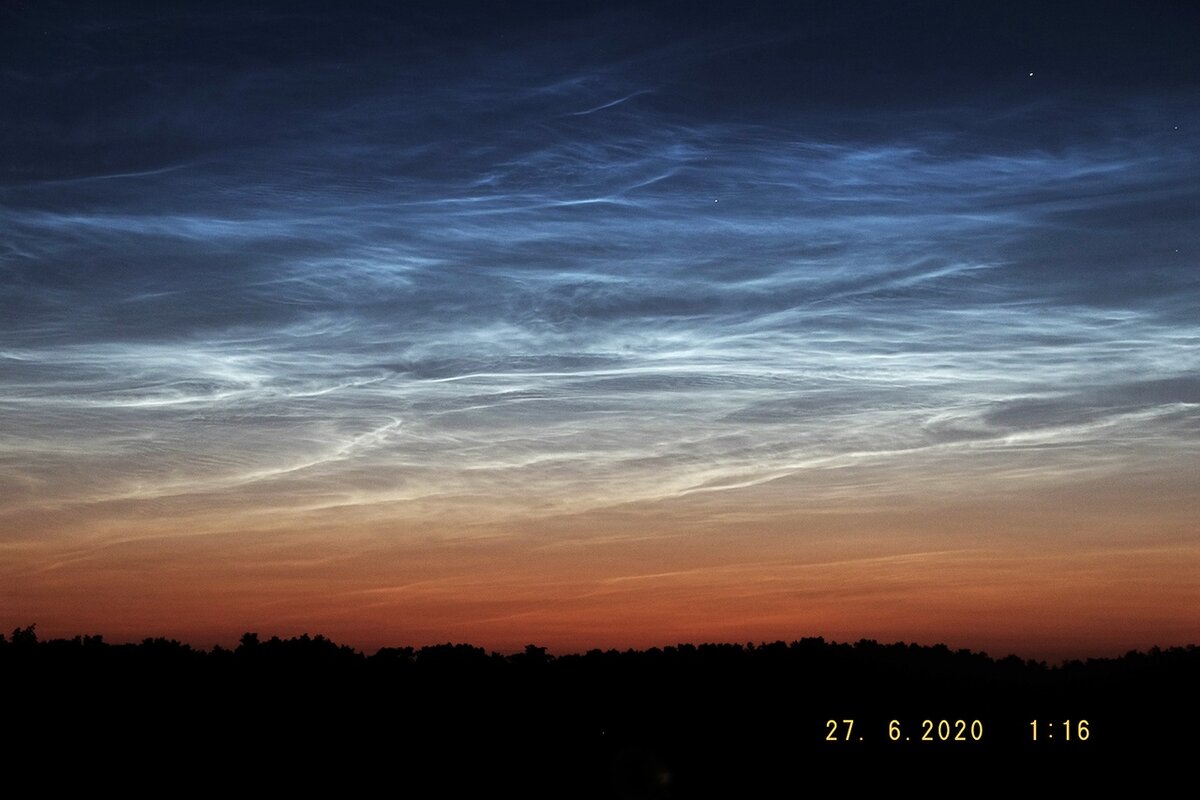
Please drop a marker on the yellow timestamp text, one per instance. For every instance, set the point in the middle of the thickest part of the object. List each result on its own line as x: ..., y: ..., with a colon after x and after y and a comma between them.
x: 1064, y: 730
x: 926, y: 730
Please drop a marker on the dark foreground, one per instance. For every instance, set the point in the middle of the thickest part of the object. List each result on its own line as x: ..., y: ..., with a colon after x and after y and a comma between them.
x: 685, y: 721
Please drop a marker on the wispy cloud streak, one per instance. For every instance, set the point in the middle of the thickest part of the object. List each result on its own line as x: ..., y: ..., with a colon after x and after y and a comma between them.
x: 451, y: 282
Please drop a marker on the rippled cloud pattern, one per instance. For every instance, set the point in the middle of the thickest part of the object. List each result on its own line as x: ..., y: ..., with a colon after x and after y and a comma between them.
x: 460, y: 266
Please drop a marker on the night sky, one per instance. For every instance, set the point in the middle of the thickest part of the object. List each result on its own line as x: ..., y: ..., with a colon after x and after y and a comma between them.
x: 602, y: 324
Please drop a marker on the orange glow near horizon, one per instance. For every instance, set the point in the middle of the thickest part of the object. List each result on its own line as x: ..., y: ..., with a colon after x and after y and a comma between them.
x: 1047, y: 575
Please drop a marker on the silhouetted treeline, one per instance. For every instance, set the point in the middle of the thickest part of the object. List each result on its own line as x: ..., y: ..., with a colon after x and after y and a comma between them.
x: 680, y: 721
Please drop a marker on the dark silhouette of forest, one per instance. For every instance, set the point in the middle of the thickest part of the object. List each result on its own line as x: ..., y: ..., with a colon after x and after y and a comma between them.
x: 680, y: 721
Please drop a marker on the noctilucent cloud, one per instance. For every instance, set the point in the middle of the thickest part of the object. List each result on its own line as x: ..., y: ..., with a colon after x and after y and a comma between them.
x: 602, y: 324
